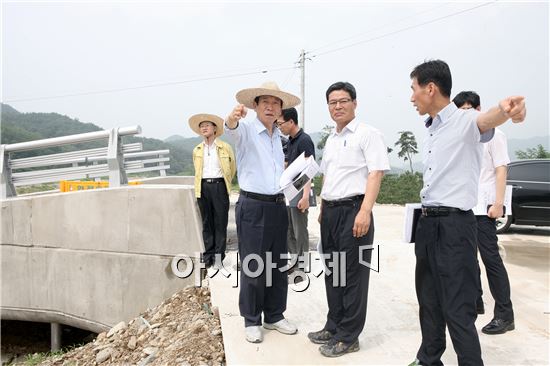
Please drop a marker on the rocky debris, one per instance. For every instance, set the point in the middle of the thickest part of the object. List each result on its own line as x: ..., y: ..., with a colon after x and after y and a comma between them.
x: 183, y: 330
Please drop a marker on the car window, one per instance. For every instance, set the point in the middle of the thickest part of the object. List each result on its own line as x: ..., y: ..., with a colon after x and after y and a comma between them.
x: 536, y: 172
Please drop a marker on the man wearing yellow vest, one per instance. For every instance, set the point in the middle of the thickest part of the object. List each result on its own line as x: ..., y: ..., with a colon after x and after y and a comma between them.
x: 215, y: 168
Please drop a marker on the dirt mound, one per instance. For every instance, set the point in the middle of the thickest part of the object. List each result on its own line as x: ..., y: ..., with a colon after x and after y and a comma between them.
x: 183, y: 330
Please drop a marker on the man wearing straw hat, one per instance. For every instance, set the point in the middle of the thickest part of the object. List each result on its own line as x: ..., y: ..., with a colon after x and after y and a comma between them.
x: 215, y: 168
x: 260, y: 212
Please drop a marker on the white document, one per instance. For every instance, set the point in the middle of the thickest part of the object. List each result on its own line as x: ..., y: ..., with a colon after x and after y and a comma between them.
x: 486, y: 197
x: 412, y: 214
x: 304, y: 168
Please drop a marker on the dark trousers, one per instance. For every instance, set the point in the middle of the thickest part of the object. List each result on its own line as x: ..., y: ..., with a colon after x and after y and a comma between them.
x: 446, y: 286
x: 497, y: 276
x: 261, y: 228
x: 298, y: 236
x: 347, y: 305
x: 214, y: 207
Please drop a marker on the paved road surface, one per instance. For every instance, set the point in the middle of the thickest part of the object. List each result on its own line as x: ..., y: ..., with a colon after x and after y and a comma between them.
x: 392, y: 333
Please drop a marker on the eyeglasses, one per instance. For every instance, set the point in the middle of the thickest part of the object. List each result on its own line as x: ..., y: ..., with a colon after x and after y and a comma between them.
x: 342, y: 102
x: 280, y: 123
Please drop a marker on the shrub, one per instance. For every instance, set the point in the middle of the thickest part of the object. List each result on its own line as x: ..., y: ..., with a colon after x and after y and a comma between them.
x: 400, y: 189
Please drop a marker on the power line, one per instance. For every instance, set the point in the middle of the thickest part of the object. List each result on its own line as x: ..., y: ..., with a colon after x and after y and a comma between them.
x: 402, y: 29
x: 155, y: 85
x: 291, y: 74
x: 376, y: 28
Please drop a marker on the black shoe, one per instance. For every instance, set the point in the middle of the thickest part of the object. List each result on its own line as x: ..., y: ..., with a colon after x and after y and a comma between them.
x: 480, y: 308
x: 498, y: 326
x: 336, y: 348
x: 320, y: 337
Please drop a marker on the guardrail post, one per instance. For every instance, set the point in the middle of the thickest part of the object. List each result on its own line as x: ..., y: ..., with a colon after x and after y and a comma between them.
x: 7, y: 189
x: 115, y: 160
x: 161, y: 164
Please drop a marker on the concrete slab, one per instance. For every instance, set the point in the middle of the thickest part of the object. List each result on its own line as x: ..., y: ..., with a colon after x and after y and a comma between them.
x: 392, y: 332
x: 93, y: 258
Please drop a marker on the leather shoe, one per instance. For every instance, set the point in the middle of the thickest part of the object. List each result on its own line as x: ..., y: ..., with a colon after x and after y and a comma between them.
x: 498, y: 326
x: 320, y: 337
x: 253, y: 334
x: 336, y: 348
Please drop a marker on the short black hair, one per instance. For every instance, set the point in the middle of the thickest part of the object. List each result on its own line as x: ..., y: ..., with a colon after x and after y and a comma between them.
x: 434, y: 71
x: 257, y: 99
x: 470, y: 97
x: 290, y: 114
x: 342, y: 85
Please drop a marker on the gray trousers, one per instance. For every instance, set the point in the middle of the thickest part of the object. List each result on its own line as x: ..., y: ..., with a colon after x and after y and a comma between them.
x: 297, y: 234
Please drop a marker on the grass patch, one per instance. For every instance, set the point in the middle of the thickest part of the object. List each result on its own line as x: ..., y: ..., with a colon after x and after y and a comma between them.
x: 39, y: 357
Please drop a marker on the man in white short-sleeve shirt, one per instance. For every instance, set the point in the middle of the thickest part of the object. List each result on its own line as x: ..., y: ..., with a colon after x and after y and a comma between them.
x: 492, y: 187
x: 354, y: 160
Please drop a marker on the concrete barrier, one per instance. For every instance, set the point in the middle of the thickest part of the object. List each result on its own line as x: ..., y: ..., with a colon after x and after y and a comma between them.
x: 180, y: 179
x: 93, y: 258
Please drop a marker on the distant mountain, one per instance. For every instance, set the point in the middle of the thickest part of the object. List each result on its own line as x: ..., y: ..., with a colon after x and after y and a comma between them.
x: 20, y: 127
x: 185, y: 143
x: 174, y: 138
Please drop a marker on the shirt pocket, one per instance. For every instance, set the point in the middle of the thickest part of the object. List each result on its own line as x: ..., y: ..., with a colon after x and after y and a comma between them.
x: 225, y: 161
x: 350, y: 156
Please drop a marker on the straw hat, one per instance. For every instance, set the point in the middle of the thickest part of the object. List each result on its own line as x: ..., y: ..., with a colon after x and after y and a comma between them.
x: 247, y: 96
x: 196, y: 120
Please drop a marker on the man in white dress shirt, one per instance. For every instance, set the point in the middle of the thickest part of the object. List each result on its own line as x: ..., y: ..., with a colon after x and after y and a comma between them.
x: 492, y: 186
x: 446, y: 249
x: 354, y: 160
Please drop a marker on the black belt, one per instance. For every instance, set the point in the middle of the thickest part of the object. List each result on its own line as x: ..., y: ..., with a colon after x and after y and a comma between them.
x: 349, y: 201
x: 439, y: 210
x: 278, y: 198
x: 213, y: 180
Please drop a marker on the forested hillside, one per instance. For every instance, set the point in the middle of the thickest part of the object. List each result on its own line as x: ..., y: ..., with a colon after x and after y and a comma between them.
x: 19, y: 127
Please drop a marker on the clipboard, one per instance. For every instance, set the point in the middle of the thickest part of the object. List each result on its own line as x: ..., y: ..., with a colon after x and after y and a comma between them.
x: 413, y: 211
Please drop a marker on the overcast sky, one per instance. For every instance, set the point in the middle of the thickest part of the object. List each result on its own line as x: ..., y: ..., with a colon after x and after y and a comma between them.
x: 170, y: 60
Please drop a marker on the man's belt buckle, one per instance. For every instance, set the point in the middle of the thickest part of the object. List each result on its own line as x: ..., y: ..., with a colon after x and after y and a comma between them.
x: 435, y: 211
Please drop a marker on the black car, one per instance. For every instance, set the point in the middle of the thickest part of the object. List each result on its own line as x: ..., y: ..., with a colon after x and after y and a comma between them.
x: 530, y: 180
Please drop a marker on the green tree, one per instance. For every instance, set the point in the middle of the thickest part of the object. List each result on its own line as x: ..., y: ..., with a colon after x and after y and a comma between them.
x: 324, y: 136
x: 408, y: 145
x: 538, y: 152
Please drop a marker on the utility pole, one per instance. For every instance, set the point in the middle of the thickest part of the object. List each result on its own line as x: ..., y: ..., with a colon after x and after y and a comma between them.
x: 303, y: 89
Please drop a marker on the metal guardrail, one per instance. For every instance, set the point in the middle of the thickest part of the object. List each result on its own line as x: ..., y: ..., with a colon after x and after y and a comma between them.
x: 115, y: 160
x: 72, y: 139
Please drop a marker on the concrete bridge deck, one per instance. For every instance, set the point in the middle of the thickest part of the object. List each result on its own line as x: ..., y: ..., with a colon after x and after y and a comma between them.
x: 91, y: 259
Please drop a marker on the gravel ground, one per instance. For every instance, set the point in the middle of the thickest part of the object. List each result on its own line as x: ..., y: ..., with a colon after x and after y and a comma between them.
x: 182, y: 330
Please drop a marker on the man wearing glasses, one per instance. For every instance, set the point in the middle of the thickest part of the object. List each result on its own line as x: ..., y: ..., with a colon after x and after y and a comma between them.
x: 354, y: 161
x: 298, y: 142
